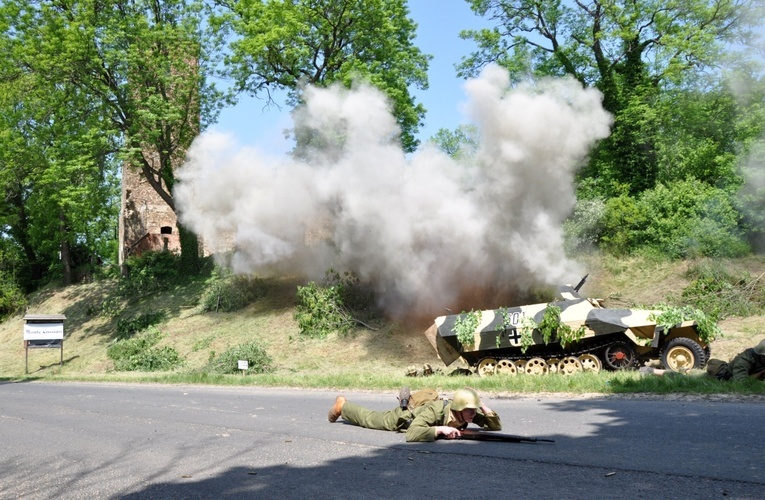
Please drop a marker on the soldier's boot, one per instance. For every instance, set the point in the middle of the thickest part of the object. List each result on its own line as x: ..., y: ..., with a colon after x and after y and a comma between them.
x: 403, y: 397
x: 336, y: 410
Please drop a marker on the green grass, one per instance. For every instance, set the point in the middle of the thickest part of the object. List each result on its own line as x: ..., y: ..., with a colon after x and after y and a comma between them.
x: 697, y: 383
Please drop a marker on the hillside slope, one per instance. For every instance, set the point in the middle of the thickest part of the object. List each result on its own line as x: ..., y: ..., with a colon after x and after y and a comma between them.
x: 396, y: 345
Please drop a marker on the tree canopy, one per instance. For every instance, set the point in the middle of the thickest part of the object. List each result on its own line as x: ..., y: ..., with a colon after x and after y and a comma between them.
x: 136, y: 67
x: 285, y: 44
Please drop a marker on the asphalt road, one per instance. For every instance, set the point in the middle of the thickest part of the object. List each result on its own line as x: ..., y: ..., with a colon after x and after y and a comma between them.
x: 73, y: 440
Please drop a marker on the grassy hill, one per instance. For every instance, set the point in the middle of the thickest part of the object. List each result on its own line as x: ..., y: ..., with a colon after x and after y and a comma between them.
x: 362, y: 355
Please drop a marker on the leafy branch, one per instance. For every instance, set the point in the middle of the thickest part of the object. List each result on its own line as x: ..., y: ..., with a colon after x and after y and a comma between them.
x: 670, y: 316
x: 527, y: 327
x: 321, y: 309
x: 465, y: 327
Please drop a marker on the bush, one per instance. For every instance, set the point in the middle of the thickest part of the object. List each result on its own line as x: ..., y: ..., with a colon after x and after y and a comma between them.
x: 150, y: 272
x: 622, y: 223
x: 324, y: 308
x: 257, y: 359
x: 128, y: 327
x: 12, y: 299
x: 232, y: 292
x: 139, y: 354
x: 585, y: 227
x: 690, y: 219
x: 683, y: 219
x: 320, y: 311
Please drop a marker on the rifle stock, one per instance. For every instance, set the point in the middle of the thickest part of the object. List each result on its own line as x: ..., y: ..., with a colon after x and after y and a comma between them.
x: 505, y: 438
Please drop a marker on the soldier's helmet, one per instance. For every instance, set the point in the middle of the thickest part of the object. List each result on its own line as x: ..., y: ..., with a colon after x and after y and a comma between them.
x: 760, y: 348
x: 465, y: 398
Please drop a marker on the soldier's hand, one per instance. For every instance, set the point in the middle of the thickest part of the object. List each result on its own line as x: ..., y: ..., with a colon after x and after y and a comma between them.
x: 447, y: 432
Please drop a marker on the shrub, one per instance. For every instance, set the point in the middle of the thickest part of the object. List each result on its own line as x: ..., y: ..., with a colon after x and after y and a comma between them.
x: 129, y: 327
x: 228, y: 362
x: 320, y: 311
x: 232, y: 292
x: 324, y: 308
x: 585, y: 227
x: 690, y: 218
x: 12, y: 299
x: 139, y: 354
x: 682, y: 219
x: 622, y: 223
x: 150, y: 272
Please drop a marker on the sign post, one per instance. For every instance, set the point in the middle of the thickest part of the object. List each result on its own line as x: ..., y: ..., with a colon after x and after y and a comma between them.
x: 43, y: 331
x: 243, y: 365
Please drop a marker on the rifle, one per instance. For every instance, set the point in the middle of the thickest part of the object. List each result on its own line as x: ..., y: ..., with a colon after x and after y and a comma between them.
x: 506, y: 438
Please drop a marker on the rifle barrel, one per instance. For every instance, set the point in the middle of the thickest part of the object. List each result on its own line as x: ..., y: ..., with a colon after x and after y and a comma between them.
x: 507, y: 438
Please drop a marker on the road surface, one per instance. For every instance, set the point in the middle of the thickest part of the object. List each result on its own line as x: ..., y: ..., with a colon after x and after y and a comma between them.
x: 80, y: 440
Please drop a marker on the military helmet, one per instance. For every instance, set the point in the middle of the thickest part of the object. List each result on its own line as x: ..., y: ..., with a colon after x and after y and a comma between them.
x: 465, y: 398
x: 760, y: 348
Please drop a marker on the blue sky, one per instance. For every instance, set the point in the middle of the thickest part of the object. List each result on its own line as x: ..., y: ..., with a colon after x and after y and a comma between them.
x: 439, y: 23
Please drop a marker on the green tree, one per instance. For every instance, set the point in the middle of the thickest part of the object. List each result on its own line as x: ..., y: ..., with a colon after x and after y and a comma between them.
x: 630, y: 50
x: 285, y: 44
x: 460, y: 144
x: 143, y: 62
x: 55, y: 170
x: 698, y: 137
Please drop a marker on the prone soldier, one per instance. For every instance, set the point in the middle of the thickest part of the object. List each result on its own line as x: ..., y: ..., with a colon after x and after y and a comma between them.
x: 439, y: 418
x: 747, y: 364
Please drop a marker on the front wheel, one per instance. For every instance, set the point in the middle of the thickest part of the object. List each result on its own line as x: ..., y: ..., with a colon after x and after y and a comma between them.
x: 681, y: 354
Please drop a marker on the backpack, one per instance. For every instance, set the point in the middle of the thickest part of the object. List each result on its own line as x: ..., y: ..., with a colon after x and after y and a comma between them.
x: 423, y: 397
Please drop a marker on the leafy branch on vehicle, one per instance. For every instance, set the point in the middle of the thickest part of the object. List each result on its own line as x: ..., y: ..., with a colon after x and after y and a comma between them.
x: 465, y: 327
x: 671, y: 316
x: 526, y: 328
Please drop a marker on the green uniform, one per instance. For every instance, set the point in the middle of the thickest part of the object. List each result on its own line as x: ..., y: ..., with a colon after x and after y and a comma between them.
x: 745, y: 364
x: 419, y: 423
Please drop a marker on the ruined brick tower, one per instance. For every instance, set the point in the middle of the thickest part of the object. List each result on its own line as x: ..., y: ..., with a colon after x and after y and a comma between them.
x: 146, y: 221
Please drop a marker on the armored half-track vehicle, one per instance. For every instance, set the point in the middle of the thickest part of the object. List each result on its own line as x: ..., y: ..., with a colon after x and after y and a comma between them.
x: 614, y: 339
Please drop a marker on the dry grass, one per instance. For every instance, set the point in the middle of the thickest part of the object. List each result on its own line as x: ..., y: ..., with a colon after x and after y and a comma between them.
x: 197, y: 335
x: 384, y: 353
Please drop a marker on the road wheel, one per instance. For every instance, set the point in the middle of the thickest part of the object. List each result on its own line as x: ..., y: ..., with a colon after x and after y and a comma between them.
x: 506, y: 367
x: 681, y: 354
x: 620, y: 356
x: 535, y: 366
x: 486, y: 367
x: 570, y: 365
x: 590, y: 363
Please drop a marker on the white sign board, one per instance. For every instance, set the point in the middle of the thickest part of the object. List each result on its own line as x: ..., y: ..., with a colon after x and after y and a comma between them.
x: 44, y: 331
x: 243, y: 364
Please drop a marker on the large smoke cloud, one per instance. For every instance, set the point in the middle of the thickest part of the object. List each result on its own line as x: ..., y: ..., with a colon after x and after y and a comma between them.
x: 425, y: 231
